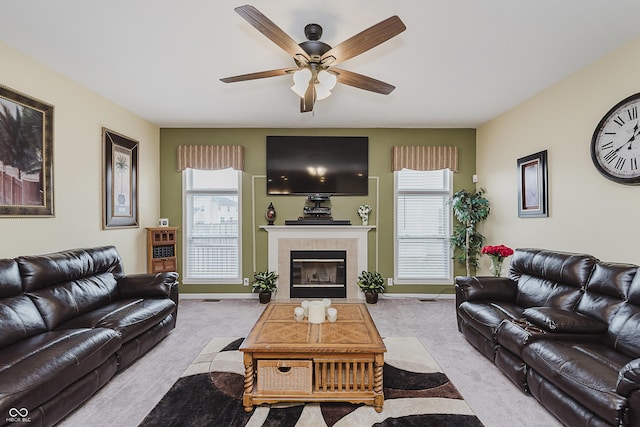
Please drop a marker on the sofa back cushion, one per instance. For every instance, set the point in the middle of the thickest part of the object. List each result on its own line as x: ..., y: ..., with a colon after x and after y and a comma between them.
x: 606, y: 290
x: 10, y: 282
x: 549, y: 278
x: 64, y: 301
x: 624, y: 327
x: 41, y: 271
x: 19, y: 319
x: 66, y: 284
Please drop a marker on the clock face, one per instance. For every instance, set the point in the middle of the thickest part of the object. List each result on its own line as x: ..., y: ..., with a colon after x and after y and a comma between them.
x: 615, y: 146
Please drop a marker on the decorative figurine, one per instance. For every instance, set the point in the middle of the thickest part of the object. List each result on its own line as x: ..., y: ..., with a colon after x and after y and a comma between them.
x: 363, y: 213
x: 270, y: 214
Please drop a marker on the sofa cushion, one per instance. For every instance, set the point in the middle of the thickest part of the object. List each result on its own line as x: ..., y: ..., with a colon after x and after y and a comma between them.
x: 587, y: 372
x: 549, y: 278
x: 563, y: 321
x: 606, y: 290
x: 128, y: 317
x: 64, y: 301
x: 36, y: 369
x: 10, y: 282
x: 19, y: 319
x: 42, y: 271
x: 624, y: 328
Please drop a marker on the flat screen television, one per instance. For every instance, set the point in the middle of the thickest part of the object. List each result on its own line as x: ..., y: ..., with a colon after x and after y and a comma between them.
x: 324, y: 165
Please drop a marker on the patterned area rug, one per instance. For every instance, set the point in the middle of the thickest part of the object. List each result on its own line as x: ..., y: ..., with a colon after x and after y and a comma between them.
x: 416, y: 393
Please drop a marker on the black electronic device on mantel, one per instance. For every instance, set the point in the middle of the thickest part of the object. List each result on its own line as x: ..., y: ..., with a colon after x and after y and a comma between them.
x: 330, y: 165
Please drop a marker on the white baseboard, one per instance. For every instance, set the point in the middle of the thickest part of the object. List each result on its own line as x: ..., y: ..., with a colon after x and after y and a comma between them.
x: 417, y: 296
x: 255, y: 296
x: 219, y: 296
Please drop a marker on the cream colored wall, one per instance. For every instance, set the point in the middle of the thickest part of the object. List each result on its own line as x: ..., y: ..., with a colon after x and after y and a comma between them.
x: 587, y: 213
x: 79, y: 116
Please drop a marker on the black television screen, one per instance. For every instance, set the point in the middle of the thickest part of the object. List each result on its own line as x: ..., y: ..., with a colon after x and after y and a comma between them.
x: 327, y: 165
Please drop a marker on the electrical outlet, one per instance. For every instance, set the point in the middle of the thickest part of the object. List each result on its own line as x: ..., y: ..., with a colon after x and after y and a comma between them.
x: 245, y: 281
x: 389, y: 281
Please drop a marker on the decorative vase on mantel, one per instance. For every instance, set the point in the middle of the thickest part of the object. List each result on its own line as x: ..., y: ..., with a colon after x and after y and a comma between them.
x: 363, y: 213
x: 270, y: 214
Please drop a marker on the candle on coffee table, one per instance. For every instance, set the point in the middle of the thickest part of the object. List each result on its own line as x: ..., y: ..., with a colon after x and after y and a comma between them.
x: 316, y: 312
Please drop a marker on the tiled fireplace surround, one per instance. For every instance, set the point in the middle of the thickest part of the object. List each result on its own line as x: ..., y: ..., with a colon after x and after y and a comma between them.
x: 287, y: 238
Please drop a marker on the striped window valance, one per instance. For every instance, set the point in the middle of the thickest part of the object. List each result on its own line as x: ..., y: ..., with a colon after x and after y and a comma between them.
x: 424, y: 158
x: 210, y: 157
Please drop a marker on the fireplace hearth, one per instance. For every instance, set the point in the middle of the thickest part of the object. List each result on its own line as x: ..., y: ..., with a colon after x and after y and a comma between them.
x: 318, y: 274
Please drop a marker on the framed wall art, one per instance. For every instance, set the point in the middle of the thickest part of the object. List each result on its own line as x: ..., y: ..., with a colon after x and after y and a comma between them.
x: 120, y: 180
x: 532, y: 186
x: 26, y: 155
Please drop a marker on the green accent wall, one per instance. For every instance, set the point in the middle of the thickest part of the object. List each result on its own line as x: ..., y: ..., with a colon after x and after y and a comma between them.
x: 255, y: 199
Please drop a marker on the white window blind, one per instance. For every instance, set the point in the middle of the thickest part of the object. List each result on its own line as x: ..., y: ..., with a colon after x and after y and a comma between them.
x: 212, y: 226
x: 423, y: 226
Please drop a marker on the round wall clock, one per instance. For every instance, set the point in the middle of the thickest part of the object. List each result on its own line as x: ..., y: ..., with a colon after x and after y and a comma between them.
x: 615, y: 145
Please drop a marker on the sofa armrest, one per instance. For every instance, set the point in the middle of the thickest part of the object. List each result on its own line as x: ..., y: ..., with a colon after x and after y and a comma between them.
x: 160, y: 285
x: 469, y: 288
x: 629, y: 378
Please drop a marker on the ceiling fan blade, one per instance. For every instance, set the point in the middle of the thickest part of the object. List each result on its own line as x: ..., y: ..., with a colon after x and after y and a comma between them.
x: 259, y: 75
x: 362, y: 82
x: 365, y: 40
x: 306, y: 103
x: 274, y: 33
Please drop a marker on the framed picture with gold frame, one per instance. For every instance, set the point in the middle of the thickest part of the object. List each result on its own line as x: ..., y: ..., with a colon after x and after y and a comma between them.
x: 120, y: 181
x: 26, y: 155
x: 532, y: 186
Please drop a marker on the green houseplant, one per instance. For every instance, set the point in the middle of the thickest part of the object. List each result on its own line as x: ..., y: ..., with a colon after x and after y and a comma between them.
x: 372, y: 284
x: 264, y: 282
x: 470, y: 209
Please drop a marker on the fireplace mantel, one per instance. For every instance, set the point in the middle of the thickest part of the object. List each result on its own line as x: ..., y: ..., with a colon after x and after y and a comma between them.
x: 285, y: 238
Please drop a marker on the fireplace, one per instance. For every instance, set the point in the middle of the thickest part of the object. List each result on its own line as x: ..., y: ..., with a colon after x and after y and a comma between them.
x: 286, y: 238
x: 318, y: 274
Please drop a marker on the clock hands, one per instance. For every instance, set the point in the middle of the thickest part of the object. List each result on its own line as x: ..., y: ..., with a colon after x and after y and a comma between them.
x: 633, y: 137
x: 630, y: 141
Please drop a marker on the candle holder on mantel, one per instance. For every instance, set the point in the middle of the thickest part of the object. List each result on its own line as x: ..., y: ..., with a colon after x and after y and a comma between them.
x: 270, y: 214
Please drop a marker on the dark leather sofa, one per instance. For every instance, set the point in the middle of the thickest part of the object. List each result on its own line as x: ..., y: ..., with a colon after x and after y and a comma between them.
x: 563, y: 327
x: 69, y: 321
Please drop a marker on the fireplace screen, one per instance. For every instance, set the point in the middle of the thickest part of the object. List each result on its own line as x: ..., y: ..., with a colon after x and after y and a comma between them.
x: 318, y: 274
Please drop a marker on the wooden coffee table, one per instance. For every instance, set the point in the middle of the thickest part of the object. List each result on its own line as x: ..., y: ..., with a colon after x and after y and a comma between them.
x: 289, y: 361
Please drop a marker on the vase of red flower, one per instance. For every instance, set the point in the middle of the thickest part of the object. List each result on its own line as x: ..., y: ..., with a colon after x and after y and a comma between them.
x: 497, y: 254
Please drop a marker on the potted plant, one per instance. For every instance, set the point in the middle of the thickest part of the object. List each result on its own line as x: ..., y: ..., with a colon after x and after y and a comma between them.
x: 470, y: 209
x: 264, y: 282
x: 372, y: 284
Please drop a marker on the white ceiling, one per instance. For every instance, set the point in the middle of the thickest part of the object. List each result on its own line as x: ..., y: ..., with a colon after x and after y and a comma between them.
x: 458, y: 64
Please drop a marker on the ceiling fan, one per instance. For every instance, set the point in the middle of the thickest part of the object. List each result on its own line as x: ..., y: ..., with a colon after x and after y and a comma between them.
x: 314, y: 74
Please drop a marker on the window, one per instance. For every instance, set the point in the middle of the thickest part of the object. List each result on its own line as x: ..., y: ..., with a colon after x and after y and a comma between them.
x: 212, y: 226
x: 423, y: 226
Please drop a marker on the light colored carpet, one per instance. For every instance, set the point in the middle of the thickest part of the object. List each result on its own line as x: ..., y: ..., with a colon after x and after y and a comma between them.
x: 132, y: 394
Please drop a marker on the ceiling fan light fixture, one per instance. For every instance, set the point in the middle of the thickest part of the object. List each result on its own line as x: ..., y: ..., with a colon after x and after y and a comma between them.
x: 326, y: 82
x: 301, y: 81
